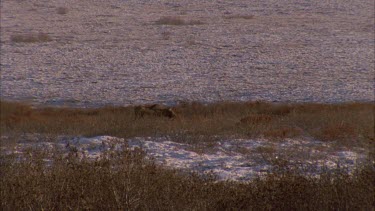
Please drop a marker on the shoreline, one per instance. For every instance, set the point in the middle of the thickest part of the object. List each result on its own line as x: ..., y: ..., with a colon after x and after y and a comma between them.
x: 349, y: 123
x: 89, y: 105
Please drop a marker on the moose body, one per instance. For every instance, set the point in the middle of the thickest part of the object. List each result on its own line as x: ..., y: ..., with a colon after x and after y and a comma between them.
x: 154, y: 110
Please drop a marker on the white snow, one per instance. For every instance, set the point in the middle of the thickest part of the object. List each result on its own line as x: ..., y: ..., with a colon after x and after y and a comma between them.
x: 236, y: 160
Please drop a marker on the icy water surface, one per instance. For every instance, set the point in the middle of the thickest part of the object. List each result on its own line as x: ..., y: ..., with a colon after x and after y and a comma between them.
x: 113, y: 52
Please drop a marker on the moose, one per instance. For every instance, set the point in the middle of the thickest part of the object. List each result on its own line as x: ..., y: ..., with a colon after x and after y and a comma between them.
x: 154, y: 110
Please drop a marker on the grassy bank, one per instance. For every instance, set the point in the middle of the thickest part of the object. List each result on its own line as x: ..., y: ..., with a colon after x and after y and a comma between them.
x: 347, y: 123
x: 125, y: 180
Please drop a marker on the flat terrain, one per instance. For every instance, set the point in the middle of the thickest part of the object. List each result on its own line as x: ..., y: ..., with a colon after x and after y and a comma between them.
x: 233, y: 141
x: 129, y: 52
x: 219, y: 66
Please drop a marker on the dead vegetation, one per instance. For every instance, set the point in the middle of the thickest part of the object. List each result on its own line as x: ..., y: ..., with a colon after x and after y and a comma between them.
x: 345, y: 123
x: 30, y: 38
x: 124, y: 180
x: 257, y: 119
x: 338, y: 131
x: 283, y: 132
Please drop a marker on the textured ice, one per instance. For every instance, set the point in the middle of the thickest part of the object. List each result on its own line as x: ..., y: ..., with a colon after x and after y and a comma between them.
x: 112, y: 52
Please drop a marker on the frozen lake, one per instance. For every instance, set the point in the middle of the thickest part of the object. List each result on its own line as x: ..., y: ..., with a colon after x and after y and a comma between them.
x: 112, y: 52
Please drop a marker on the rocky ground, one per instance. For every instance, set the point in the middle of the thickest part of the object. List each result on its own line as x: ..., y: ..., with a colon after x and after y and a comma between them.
x: 114, y: 52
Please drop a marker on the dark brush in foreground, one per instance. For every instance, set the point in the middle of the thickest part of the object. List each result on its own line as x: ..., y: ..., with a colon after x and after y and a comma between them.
x: 125, y: 180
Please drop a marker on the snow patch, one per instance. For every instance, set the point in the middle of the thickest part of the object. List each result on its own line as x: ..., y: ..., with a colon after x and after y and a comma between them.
x: 237, y: 160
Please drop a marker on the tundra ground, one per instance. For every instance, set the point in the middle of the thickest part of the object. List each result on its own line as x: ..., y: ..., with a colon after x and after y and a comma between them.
x: 124, y: 178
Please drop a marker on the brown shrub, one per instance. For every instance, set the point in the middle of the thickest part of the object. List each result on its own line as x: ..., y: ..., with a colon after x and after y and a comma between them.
x: 30, y: 38
x: 284, y: 132
x: 10, y: 108
x: 196, y: 119
x: 211, y: 110
x: 66, y: 112
x: 261, y: 107
x: 14, y: 113
x: 341, y: 131
x: 281, y: 110
x: 311, y: 108
x: 127, y: 181
x: 257, y: 119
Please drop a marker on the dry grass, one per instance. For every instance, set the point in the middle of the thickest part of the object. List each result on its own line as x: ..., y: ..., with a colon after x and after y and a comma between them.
x: 257, y: 119
x: 282, y: 133
x: 176, y: 21
x: 124, y: 180
x: 30, y: 38
x: 338, y: 131
x: 346, y: 123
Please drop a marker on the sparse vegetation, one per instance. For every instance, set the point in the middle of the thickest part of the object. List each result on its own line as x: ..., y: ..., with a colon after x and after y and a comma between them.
x: 348, y: 124
x: 176, y: 21
x: 283, y: 132
x: 256, y: 119
x: 125, y: 180
x: 309, y: 156
x: 30, y: 38
x: 338, y: 131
